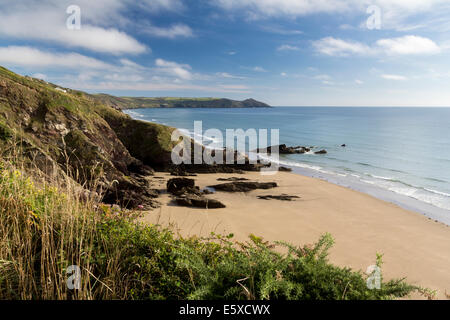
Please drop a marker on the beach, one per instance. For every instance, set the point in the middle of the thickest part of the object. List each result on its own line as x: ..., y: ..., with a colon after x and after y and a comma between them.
x: 413, y: 246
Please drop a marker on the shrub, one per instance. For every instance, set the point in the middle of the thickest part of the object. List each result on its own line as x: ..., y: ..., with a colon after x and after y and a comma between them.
x: 44, y: 229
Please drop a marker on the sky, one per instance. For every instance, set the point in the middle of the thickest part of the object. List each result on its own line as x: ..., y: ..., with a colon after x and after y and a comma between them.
x: 282, y: 52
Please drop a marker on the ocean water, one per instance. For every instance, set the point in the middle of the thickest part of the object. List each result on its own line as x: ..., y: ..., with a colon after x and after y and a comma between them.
x: 401, y: 155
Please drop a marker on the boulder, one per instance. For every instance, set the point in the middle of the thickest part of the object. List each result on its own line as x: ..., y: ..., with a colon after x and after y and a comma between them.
x: 321, y: 152
x: 176, y: 185
x: 232, y: 179
x: 240, y: 186
x: 199, y: 202
x: 283, y: 149
x: 283, y: 197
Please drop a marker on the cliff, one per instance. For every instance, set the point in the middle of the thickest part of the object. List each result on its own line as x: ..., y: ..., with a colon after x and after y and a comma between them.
x: 70, y: 134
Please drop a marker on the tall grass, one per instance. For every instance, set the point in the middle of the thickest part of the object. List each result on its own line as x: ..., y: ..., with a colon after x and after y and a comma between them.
x: 47, y: 225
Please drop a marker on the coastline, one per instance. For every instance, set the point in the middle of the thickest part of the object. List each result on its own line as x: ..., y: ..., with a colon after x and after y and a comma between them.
x: 360, y: 184
x: 413, y: 246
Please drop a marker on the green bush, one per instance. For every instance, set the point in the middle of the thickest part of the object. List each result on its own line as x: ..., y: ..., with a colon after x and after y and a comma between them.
x: 45, y: 229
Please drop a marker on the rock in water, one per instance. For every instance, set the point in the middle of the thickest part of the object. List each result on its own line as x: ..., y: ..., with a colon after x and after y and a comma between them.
x: 321, y: 152
x: 244, y: 186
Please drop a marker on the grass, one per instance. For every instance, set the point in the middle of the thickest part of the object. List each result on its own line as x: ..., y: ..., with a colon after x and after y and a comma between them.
x: 45, y: 228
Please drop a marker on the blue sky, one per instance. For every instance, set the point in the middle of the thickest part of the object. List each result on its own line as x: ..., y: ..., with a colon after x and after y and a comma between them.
x: 284, y: 52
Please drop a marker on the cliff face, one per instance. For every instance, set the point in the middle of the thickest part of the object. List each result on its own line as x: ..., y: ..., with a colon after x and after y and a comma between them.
x: 68, y: 133
x: 135, y: 103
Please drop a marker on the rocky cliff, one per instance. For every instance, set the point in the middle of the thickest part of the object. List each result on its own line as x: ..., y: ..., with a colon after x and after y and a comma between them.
x: 67, y: 133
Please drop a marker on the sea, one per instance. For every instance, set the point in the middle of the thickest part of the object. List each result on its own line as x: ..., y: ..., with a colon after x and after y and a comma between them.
x: 400, y: 155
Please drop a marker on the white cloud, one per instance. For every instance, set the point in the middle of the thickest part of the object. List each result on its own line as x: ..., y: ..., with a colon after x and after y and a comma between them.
x: 124, y: 77
x: 283, y: 74
x: 322, y: 77
x: 394, y: 77
x: 163, y: 86
x: 407, y: 45
x: 337, y: 47
x: 27, y: 56
x: 357, y: 81
x: 179, y: 70
x: 256, y: 69
x: 172, y: 32
x: 101, y: 23
x: 228, y: 76
x: 284, y: 7
x: 287, y: 47
x: 304, y: 7
x: 50, y: 25
x: 395, y: 13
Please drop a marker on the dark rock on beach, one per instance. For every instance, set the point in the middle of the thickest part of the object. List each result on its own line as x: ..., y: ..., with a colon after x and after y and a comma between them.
x: 244, y: 186
x: 176, y: 185
x: 178, y: 172
x: 233, y: 179
x: 283, y: 197
x: 199, y: 202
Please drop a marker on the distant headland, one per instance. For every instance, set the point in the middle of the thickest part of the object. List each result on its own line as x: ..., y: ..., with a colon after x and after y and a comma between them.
x: 122, y: 103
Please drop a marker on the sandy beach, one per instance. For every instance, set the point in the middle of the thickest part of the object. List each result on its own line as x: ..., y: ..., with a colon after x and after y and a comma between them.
x: 414, y: 246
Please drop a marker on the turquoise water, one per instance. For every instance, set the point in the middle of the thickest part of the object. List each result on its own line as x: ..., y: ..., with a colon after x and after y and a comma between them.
x: 398, y: 154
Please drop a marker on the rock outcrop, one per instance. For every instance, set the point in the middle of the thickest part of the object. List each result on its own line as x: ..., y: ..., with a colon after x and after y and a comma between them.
x: 240, y: 186
x: 283, y: 197
x: 199, y: 202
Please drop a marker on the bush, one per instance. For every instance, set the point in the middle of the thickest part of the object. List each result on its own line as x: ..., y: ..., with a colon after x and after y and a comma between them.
x: 45, y: 229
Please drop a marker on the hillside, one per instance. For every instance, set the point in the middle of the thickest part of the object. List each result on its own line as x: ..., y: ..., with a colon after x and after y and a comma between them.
x: 64, y: 132
x: 136, y: 103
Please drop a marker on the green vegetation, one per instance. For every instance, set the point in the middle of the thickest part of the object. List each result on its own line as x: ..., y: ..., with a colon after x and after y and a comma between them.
x: 173, y: 102
x: 46, y: 228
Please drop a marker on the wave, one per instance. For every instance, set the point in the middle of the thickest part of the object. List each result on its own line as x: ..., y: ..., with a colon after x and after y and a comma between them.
x: 433, y: 197
x: 436, y: 198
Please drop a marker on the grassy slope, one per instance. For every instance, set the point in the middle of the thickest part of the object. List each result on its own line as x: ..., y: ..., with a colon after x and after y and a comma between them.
x: 76, y: 134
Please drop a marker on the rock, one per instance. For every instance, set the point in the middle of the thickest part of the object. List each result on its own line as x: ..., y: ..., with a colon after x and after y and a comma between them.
x: 181, y: 173
x: 178, y: 184
x: 321, y: 152
x: 232, y: 179
x: 344, y: 145
x: 199, y: 202
x: 283, y: 197
x: 284, y: 169
x: 207, y: 191
x: 244, y: 186
x: 283, y: 149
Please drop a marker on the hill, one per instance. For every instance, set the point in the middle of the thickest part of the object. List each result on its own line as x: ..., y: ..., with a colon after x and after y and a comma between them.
x: 70, y: 134
x: 136, y: 103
